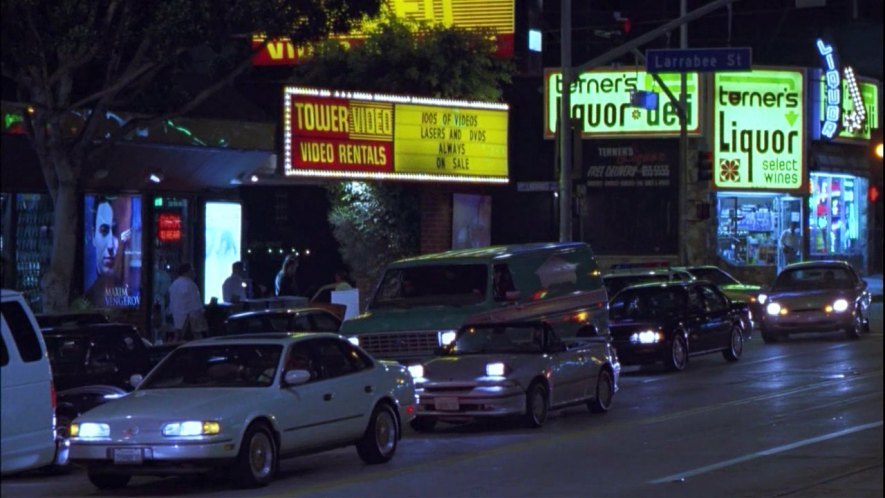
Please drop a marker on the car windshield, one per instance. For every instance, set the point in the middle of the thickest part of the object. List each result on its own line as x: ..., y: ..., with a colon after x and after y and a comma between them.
x: 238, y: 365
x: 714, y: 275
x: 814, y: 278
x: 498, y: 339
x: 645, y: 303
x: 428, y: 285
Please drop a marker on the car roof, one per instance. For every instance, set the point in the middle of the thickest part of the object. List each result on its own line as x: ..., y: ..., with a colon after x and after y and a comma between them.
x: 663, y: 285
x: 480, y: 255
x: 279, y: 311
x: 837, y: 263
x: 88, y: 329
x: 281, y: 338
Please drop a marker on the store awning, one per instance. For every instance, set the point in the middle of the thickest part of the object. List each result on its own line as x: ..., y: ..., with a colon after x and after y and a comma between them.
x: 129, y: 166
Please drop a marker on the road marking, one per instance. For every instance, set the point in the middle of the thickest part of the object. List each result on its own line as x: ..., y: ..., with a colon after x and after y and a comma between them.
x: 770, y: 451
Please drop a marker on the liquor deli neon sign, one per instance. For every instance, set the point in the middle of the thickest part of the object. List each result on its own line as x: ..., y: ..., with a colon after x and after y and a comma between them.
x: 853, y: 119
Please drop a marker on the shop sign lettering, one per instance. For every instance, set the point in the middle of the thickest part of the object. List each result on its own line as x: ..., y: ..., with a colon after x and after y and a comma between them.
x: 759, y: 130
x: 600, y: 101
x: 630, y: 166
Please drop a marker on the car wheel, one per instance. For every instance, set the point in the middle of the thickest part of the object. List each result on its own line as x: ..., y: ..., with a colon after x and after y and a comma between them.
x: 378, y: 443
x: 856, y: 328
x: 735, y: 345
x: 108, y: 481
x: 536, y: 405
x: 423, y: 424
x: 677, y: 360
x: 257, y: 461
x: 605, y: 391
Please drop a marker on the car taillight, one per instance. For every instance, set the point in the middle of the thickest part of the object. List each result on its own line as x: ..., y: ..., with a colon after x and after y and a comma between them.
x: 52, y: 395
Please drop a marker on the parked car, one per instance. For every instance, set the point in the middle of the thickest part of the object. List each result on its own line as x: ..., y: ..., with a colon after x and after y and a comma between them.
x: 292, y: 394
x: 308, y: 319
x: 734, y: 289
x: 514, y: 368
x: 668, y: 322
x: 624, y: 275
x: 420, y: 303
x: 27, y: 396
x: 815, y: 296
x: 93, y: 363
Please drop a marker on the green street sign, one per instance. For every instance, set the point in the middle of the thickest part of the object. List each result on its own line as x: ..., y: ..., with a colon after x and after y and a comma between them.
x: 759, y: 130
x: 600, y: 102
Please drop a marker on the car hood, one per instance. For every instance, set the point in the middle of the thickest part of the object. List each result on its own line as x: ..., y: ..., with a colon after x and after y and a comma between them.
x: 469, y: 367
x: 171, y: 404
x: 810, y: 299
x: 409, y: 319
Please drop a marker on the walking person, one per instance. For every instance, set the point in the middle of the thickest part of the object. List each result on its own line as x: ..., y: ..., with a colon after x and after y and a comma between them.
x: 285, y: 283
x: 186, y: 305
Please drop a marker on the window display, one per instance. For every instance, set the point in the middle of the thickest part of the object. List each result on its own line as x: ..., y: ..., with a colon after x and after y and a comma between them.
x: 837, y: 214
x: 172, y: 246
x: 33, y: 244
x: 748, y: 228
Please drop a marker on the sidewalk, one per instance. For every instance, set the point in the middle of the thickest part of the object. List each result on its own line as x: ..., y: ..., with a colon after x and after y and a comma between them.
x: 875, y: 283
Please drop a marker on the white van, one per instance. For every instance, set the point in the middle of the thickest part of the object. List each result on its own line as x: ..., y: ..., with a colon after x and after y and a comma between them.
x: 27, y: 403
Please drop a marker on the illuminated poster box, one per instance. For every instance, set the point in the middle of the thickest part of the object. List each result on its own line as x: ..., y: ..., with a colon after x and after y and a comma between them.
x: 759, y: 130
x: 341, y: 134
x: 869, y: 92
x: 470, y: 14
x: 600, y: 100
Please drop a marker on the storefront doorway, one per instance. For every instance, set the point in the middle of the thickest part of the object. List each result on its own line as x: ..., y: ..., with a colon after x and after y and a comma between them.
x: 790, y: 212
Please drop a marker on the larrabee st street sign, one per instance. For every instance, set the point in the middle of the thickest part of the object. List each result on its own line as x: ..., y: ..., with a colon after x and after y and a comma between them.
x: 759, y: 130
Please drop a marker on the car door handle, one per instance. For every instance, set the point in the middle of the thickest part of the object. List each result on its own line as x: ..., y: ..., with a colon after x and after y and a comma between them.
x: 369, y: 389
x: 328, y: 397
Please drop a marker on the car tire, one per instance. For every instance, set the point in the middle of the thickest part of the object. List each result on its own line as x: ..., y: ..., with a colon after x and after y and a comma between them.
x: 380, y: 439
x: 856, y: 328
x: 536, y: 405
x: 108, y: 481
x: 735, y: 345
x: 423, y: 424
x: 605, y: 392
x: 257, y: 460
x: 677, y: 359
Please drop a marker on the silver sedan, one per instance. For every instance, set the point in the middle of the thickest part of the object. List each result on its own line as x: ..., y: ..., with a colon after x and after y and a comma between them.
x: 515, y: 368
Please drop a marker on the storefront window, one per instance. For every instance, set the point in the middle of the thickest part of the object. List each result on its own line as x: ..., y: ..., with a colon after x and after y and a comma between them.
x: 33, y: 244
x: 837, y: 214
x: 749, y: 226
x: 172, y: 244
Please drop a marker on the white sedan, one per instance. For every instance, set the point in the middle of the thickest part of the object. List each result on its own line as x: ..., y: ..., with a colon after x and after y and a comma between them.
x: 242, y: 403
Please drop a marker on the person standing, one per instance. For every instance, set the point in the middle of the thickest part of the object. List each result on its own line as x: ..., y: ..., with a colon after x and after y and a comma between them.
x: 285, y: 283
x: 789, y: 243
x: 187, y: 305
x: 236, y: 287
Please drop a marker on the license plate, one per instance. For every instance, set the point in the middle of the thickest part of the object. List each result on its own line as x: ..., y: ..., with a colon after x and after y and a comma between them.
x: 127, y: 456
x: 447, y: 404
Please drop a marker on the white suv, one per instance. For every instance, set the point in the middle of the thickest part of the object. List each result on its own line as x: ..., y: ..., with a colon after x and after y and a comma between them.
x: 27, y: 432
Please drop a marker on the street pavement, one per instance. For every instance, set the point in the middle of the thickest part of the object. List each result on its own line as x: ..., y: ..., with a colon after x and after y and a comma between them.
x: 875, y: 283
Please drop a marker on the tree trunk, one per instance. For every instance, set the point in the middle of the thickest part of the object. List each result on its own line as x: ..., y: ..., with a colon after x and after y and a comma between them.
x: 56, y: 282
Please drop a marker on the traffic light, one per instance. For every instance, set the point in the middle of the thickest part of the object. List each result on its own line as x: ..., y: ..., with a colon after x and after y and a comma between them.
x: 705, y: 165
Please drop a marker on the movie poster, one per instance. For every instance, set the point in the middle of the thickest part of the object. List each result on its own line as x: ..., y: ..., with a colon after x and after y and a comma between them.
x: 471, y: 221
x: 223, y: 228
x: 112, y: 251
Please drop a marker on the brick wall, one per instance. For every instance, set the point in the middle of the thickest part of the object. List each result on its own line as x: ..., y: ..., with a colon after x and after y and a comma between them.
x: 436, y: 220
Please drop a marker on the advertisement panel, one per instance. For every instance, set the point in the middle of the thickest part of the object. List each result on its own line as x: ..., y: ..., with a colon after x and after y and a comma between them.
x: 600, y: 100
x: 360, y: 135
x: 112, y: 251
x: 223, y: 233
x: 493, y: 14
x: 759, y: 130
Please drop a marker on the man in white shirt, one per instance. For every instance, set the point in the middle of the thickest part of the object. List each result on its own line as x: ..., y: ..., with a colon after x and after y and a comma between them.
x: 235, y: 287
x: 186, y: 304
x: 789, y: 242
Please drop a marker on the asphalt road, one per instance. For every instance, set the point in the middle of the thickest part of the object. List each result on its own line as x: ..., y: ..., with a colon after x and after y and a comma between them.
x: 801, y: 418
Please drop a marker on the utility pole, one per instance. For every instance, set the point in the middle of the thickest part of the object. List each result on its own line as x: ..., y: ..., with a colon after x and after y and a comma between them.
x: 565, y: 135
x: 682, y: 211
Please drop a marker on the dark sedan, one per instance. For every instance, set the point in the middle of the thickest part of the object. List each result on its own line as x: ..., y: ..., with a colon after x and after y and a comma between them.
x: 668, y: 322
x: 308, y: 319
x: 816, y: 296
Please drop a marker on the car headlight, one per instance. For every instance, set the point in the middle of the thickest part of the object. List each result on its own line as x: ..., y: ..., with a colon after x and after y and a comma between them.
x: 496, y: 369
x: 192, y: 428
x: 840, y: 305
x: 89, y: 430
x: 762, y: 298
x: 646, y: 337
x: 417, y: 371
x: 775, y: 309
x: 354, y: 340
x: 446, y: 337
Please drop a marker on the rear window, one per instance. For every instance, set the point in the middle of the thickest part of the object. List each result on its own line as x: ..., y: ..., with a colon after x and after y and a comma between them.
x: 66, y: 354
x: 23, y: 332
x: 814, y: 278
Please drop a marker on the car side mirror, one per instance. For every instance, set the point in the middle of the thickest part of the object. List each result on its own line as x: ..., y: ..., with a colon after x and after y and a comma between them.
x: 135, y: 380
x: 296, y: 377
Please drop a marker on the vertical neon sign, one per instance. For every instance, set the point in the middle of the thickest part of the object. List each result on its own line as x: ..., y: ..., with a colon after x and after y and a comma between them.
x: 833, y: 100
